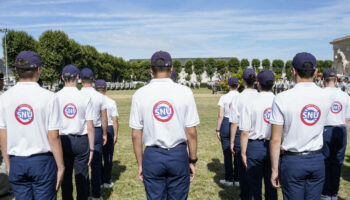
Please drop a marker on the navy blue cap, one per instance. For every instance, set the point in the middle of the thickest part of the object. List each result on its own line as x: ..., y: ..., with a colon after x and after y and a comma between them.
x: 70, y: 71
x: 301, y: 58
x: 248, y: 72
x: 265, y: 76
x: 28, y: 60
x: 232, y: 80
x: 329, y: 73
x: 86, y: 74
x: 173, y: 75
x: 100, y: 84
x: 161, y: 59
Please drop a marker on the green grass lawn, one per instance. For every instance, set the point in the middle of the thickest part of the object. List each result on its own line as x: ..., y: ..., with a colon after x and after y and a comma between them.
x: 210, y: 166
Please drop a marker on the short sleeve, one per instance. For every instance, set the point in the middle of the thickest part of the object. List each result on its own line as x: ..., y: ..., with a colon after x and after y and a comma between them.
x: 234, y: 116
x: 114, y: 112
x: 3, y: 123
x: 89, y: 113
x: 277, y: 115
x: 347, y: 111
x: 221, y: 102
x: 135, y: 121
x: 54, y: 115
x: 191, y: 118
x: 104, y: 103
x: 245, y: 123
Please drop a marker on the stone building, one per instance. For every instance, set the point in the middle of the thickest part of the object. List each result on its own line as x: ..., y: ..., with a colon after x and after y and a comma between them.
x: 341, y: 49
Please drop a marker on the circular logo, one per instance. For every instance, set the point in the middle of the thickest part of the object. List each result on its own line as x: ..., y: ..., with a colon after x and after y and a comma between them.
x: 267, y: 115
x: 163, y: 111
x: 70, y: 111
x: 336, y: 107
x: 24, y: 114
x: 310, y: 115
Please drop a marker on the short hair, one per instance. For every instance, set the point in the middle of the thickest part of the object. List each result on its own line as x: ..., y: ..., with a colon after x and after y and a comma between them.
x: 68, y: 78
x: 100, y: 88
x: 234, y: 85
x: 308, y: 73
x: 268, y: 86
x: 26, y: 73
x: 329, y: 79
x: 87, y: 80
x: 160, y: 66
x: 250, y: 80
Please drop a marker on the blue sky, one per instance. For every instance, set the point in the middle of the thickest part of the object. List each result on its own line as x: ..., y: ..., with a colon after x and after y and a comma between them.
x: 188, y: 28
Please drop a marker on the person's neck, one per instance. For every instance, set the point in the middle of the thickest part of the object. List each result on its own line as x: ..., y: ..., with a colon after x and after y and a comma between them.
x: 87, y: 85
x: 303, y: 80
x: 70, y: 84
x: 162, y: 75
x: 28, y: 80
x: 331, y: 85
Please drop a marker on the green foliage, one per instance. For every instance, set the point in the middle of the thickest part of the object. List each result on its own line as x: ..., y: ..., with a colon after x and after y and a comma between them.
x: 233, y: 65
x: 188, y: 78
x: 139, y: 85
x: 266, y: 64
x: 244, y: 63
x: 221, y: 66
x: 224, y: 86
x: 188, y: 67
x: 198, y: 65
x: 177, y: 66
x: 323, y: 65
x: 277, y: 66
x: 256, y: 63
x: 289, y: 67
x: 199, y: 78
x: 210, y: 64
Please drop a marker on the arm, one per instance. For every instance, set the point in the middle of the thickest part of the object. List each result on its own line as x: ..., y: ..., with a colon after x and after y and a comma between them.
x: 244, y: 144
x: 219, y: 122
x: 115, y: 129
x: 275, y: 147
x: 56, y: 148
x: 91, y: 135
x: 104, y: 125
x: 347, y: 120
x: 3, y: 143
x: 191, y: 133
x: 137, y: 143
x: 233, y: 131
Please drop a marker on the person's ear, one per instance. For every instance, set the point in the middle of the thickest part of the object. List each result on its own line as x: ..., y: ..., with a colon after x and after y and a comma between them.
x: 62, y: 78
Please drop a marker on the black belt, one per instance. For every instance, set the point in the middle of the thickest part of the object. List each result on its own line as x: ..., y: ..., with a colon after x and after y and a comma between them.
x: 184, y: 144
x: 258, y: 140
x: 304, y: 153
x: 33, y: 155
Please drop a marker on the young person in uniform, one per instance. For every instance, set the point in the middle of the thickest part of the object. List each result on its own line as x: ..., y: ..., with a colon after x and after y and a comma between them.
x: 335, y: 136
x: 99, y: 106
x: 223, y: 132
x: 30, y: 142
x: 77, y: 134
x: 164, y: 117
x: 255, y: 138
x: 298, y: 117
x: 237, y: 104
x: 112, y: 135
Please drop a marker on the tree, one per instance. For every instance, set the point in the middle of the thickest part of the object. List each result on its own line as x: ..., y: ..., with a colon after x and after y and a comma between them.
x: 144, y: 70
x: 233, y: 65
x: 188, y: 67
x: 210, y: 64
x: 244, y: 63
x: 289, y: 68
x: 277, y: 66
x: 323, y: 65
x: 177, y: 66
x: 255, y: 63
x: 266, y: 64
x: 198, y: 65
x: 221, y: 66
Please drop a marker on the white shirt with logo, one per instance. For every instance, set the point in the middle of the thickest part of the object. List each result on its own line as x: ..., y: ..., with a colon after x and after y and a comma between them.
x: 112, y: 110
x: 226, y: 100
x: 163, y: 109
x: 238, y: 103
x: 340, y: 109
x: 302, y: 111
x: 99, y: 103
x: 255, y: 117
x: 28, y: 112
x: 75, y: 110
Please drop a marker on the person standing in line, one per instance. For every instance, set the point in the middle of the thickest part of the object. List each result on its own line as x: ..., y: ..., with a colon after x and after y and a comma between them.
x: 237, y: 104
x: 29, y: 137
x: 164, y: 117
x: 334, y: 136
x: 77, y: 134
x: 99, y: 106
x: 112, y: 135
x: 223, y: 133
x: 298, y: 118
x: 255, y: 138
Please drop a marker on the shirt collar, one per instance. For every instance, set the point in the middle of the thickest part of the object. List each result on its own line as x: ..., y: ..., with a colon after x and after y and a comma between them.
x: 305, y: 84
x: 27, y: 84
x: 162, y: 80
x: 250, y: 90
x: 87, y: 88
x: 70, y: 88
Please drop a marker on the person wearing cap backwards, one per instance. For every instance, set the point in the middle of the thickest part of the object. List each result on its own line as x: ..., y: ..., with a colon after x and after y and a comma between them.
x: 164, y: 117
x: 237, y: 104
x: 298, y: 117
x: 29, y: 133
x: 334, y: 135
x: 223, y: 132
x: 77, y: 134
x: 112, y: 135
x: 255, y: 138
x: 99, y: 106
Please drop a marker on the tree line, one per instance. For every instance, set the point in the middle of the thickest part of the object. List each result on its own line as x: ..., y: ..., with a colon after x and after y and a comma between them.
x: 58, y: 50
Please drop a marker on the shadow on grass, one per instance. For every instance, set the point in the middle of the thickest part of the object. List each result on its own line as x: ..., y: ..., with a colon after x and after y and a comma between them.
x: 227, y: 193
x: 117, y: 170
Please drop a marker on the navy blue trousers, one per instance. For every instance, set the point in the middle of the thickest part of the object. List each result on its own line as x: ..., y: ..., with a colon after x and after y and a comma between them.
x: 302, y: 176
x: 242, y: 172
x: 259, y: 167
x: 33, y: 177
x: 225, y: 143
x: 334, y: 146
x: 96, y: 164
x: 166, y: 173
x: 76, y: 156
x: 108, y: 150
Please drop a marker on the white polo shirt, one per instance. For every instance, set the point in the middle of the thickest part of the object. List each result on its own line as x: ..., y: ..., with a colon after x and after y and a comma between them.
x: 75, y: 110
x: 99, y: 103
x: 28, y: 112
x: 238, y: 103
x: 340, y: 109
x: 255, y: 117
x: 303, y: 112
x: 112, y: 110
x: 225, y: 102
x: 163, y: 109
